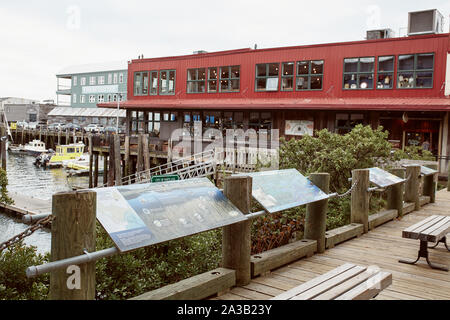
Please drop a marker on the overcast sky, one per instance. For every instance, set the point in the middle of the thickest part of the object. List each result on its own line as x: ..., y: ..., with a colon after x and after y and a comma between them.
x: 40, y: 38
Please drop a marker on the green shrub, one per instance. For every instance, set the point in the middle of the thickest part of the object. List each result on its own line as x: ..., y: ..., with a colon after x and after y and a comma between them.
x: 414, y: 153
x: 14, y: 284
x: 4, y: 197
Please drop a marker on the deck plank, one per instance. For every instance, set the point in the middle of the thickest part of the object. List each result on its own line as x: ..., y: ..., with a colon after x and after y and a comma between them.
x: 382, y: 246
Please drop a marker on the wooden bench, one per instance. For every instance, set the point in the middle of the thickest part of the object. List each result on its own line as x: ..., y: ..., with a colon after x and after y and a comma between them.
x: 347, y: 282
x: 432, y: 229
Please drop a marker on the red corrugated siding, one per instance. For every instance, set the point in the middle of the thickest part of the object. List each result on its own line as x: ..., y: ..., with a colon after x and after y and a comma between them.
x: 332, y: 54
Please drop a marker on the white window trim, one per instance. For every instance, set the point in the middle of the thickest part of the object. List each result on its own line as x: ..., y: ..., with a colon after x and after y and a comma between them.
x: 121, y: 78
x: 92, y: 98
x: 115, y: 78
x: 74, y: 98
x: 75, y: 80
x: 83, y: 81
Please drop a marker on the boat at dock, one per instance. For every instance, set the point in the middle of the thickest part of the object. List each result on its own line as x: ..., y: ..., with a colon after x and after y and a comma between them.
x: 62, y: 155
x: 33, y: 148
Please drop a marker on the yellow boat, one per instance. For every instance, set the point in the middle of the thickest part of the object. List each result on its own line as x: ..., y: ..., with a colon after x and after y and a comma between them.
x: 66, y: 152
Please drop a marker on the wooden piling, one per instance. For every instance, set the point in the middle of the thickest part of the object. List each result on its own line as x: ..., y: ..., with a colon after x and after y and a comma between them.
x: 395, y: 192
x: 111, y: 169
x: 140, y: 158
x: 126, y: 171
x: 316, y: 212
x: 360, y: 198
x: 236, y: 242
x: 95, y: 170
x: 430, y: 184
x: 4, y: 139
x: 105, y: 169
x: 146, y: 152
x: 117, y: 160
x: 412, y: 186
x: 73, y: 232
x: 90, y: 161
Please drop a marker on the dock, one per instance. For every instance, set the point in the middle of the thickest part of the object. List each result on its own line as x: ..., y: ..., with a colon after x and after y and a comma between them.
x: 382, y: 246
x: 24, y: 205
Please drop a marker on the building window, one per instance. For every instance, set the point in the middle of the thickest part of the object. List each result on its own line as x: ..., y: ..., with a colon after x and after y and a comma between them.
x: 74, y: 98
x: 91, y: 99
x: 153, y: 83
x: 189, y: 120
x: 121, y: 97
x: 75, y: 80
x: 115, y: 78
x: 92, y: 81
x: 212, y: 79
x: 310, y: 75
x: 120, y: 77
x: 260, y: 120
x: 153, y: 123
x: 358, y: 73
x: 115, y: 98
x: 101, y: 98
x: 140, y: 83
x: 287, y: 76
x: 167, y: 82
x: 267, y: 77
x: 385, y: 72
x: 170, y: 116
x: 101, y: 79
x: 83, y: 81
x: 212, y: 120
x: 415, y: 71
x: 109, y: 97
x: 82, y: 99
x: 196, y: 80
x: 345, y: 122
x: 109, y: 78
x: 229, y: 79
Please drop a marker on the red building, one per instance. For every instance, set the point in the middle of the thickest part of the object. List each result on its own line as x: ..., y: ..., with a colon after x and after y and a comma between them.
x: 399, y: 83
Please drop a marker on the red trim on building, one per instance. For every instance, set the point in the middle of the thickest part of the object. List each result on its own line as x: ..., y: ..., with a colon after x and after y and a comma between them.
x: 390, y: 104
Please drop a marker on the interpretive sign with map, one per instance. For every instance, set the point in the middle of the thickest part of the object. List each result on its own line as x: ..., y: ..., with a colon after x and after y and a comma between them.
x: 382, y: 178
x: 283, y: 189
x: 139, y: 215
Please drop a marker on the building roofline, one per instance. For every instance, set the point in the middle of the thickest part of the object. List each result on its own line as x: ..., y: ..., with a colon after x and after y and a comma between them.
x: 249, y: 50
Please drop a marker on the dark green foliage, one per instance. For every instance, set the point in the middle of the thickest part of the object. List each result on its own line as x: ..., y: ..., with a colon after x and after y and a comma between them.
x: 4, y: 198
x: 14, y: 284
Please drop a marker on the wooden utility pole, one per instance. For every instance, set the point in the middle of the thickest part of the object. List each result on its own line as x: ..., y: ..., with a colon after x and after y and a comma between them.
x: 360, y: 198
x: 236, y: 241
x: 146, y: 152
x: 126, y: 171
x: 73, y: 232
x: 140, y: 158
x: 395, y: 192
x: 95, y: 170
x: 316, y: 212
x: 412, y: 186
x: 111, y: 169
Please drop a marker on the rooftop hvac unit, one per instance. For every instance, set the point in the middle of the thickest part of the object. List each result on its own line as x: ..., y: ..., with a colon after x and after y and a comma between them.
x: 379, y: 34
x: 200, y: 51
x: 425, y: 22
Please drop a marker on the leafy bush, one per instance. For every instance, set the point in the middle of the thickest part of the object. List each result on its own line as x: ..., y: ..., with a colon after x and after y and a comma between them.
x: 4, y: 197
x: 414, y: 153
x: 14, y: 284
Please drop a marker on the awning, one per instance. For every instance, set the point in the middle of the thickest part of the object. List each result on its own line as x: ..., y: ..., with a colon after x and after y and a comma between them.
x: 383, y: 104
x: 87, y: 112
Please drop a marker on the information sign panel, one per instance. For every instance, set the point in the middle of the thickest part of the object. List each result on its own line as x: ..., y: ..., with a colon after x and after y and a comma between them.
x: 382, y: 178
x: 139, y: 215
x: 427, y: 171
x: 165, y: 177
x: 283, y: 189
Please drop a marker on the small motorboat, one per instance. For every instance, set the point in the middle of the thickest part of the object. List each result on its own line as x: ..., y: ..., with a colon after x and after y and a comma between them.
x: 16, y: 148
x: 35, y: 148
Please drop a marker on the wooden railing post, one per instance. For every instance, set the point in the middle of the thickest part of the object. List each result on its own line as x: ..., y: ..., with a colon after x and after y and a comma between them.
x: 360, y: 198
x: 430, y: 184
x: 316, y: 212
x: 4, y: 138
x: 412, y: 186
x: 90, y: 160
x: 236, y: 241
x: 395, y: 192
x: 117, y: 160
x: 73, y: 232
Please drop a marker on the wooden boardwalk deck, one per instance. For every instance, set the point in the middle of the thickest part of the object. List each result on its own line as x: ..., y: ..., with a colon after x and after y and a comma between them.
x: 27, y: 205
x: 383, y: 246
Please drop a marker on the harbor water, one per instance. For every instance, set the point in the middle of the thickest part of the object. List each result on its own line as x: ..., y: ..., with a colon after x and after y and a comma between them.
x: 28, y: 180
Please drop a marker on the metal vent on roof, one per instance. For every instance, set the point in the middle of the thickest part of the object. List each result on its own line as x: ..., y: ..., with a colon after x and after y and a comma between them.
x: 380, y: 34
x: 425, y: 22
x: 200, y: 51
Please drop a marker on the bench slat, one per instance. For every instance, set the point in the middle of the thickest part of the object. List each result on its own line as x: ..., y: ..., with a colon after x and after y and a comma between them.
x: 331, y: 283
x: 347, y: 285
x: 414, y: 231
x: 314, y: 282
x: 369, y: 288
x: 440, y: 232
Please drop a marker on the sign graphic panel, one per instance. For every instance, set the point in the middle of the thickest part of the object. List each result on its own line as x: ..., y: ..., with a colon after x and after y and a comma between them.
x: 283, y: 189
x: 382, y: 178
x: 140, y: 215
